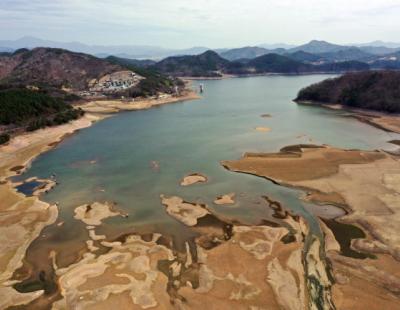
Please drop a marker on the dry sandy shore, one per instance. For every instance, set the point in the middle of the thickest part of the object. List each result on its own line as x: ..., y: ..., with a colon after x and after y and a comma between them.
x: 114, y: 106
x: 22, y: 218
x: 367, y: 185
x: 385, y: 121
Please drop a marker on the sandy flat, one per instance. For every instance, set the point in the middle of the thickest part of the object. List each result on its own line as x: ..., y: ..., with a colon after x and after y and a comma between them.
x: 227, y: 199
x: 367, y: 183
x: 147, y: 273
x: 263, y: 129
x: 186, y: 212
x: 115, y: 106
x: 193, y: 179
x: 94, y: 213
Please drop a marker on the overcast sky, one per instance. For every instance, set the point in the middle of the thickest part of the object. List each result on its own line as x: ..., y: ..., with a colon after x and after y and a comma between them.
x: 211, y: 23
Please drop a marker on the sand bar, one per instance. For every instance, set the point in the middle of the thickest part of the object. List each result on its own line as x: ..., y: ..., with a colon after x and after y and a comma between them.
x: 193, y: 179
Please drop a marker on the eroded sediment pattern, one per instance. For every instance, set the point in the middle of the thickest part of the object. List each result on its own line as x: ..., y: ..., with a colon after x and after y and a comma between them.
x: 93, y: 214
x: 367, y: 184
x: 23, y: 218
x: 228, y: 266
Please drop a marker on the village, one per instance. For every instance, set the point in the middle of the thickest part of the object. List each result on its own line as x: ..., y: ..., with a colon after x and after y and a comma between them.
x: 112, y: 83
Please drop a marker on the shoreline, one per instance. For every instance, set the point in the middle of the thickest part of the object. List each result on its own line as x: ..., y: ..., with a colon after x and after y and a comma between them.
x: 236, y: 76
x: 107, y: 107
x: 208, y: 260
x: 18, y: 228
x: 246, y: 243
x: 382, y: 120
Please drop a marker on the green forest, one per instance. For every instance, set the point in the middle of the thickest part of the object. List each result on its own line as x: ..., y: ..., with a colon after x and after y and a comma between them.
x: 34, y: 109
x: 375, y: 90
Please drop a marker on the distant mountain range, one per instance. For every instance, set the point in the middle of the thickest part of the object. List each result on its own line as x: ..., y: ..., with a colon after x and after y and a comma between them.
x: 379, y: 43
x: 323, y: 53
x: 126, y: 51
x: 276, y: 45
x: 158, y: 53
x: 55, y: 65
x: 211, y: 64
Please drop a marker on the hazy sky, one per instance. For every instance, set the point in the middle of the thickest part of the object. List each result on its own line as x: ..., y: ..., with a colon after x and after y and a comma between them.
x: 212, y: 23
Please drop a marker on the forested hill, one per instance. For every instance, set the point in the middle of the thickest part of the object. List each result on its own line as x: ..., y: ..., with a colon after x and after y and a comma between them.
x: 375, y: 90
x: 38, y: 86
x: 53, y: 67
x: 210, y: 64
x: 32, y: 109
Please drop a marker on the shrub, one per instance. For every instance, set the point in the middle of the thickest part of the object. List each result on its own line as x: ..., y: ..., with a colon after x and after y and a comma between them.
x: 4, y: 138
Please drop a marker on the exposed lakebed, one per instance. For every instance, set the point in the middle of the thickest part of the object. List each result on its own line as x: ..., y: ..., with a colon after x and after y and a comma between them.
x: 115, y: 159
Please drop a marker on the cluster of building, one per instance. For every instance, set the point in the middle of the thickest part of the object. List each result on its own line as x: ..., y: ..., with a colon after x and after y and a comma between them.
x: 115, y: 82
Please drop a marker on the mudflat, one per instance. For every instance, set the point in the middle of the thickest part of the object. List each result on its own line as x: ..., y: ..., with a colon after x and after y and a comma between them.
x: 367, y: 185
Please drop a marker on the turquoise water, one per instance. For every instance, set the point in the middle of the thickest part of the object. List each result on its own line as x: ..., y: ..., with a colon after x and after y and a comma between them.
x: 112, y: 160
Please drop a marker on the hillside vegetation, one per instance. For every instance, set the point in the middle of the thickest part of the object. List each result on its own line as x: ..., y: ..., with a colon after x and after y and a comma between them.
x: 210, y: 64
x: 271, y: 63
x: 204, y: 65
x: 53, y: 67
x: 34, y: 109
x: 153, y: 83
x: 375, y: 90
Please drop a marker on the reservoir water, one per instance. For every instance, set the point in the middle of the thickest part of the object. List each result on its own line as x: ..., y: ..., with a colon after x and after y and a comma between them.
x: 114, y: 160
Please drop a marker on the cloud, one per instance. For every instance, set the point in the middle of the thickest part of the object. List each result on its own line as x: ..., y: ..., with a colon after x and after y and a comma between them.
x: 178, y: 23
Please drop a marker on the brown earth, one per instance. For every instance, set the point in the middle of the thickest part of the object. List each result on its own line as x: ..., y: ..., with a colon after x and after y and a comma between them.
x: 368, y: 185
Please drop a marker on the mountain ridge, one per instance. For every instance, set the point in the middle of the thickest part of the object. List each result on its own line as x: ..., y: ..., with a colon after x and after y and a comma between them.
x: 158, y: 53
x: 211, y: 64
